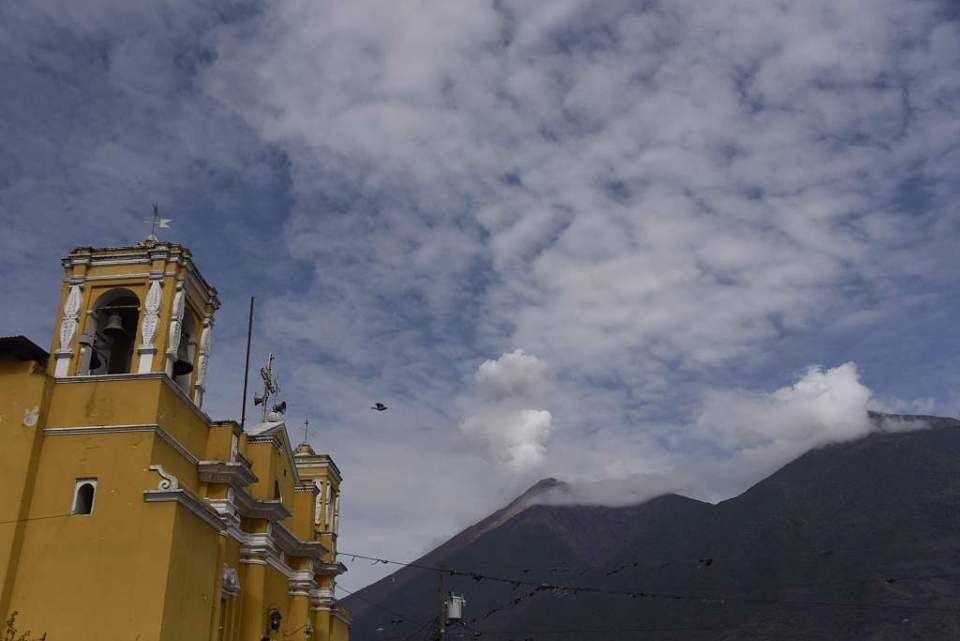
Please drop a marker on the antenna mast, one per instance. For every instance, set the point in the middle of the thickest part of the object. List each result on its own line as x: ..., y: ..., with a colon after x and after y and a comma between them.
x: 246, y: 365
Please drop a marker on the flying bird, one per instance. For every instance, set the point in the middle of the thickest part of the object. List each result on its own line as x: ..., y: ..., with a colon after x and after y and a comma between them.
x: 380, y: 407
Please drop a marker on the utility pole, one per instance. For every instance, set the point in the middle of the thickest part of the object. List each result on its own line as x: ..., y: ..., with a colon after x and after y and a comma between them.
x: 442, y: 612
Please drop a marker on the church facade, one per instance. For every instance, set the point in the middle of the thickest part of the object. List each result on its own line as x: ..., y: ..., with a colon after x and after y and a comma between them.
x: 125, y: 511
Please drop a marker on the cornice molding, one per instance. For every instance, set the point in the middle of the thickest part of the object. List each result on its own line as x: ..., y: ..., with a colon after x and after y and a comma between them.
x: 121, y: 429
x: 101, y: 378
x: 250, y: 507
x: 307, y: 487
x: 187, y: 499
x: 327, y: 464
x: 293, y: 546
x: 329, y: 569
x: 233, y: 473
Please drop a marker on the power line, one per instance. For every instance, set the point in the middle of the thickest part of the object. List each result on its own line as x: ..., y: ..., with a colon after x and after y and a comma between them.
x: 403, y: 617
x: 35, y: 518
x: 501, y: 632
x: 700, y: 563
x: 706, y: 561
x: 648, y: 594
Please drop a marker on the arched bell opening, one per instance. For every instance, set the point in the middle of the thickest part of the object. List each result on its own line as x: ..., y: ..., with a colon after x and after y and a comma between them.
x: 184, y: 363
x: 106, y: 346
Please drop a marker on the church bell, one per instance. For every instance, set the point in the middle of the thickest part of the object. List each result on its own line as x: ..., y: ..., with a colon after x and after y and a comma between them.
x: 182, y: 365
x: 114, y: 326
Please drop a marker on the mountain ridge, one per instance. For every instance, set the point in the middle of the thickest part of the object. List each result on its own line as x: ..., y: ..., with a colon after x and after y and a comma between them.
x: 811, y: 522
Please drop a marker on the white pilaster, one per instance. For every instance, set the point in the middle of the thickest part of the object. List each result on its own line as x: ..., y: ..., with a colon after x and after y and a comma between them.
x: 148, y: 328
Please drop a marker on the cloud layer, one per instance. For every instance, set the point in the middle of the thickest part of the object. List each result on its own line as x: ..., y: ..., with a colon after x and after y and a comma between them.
x: 673, y: 205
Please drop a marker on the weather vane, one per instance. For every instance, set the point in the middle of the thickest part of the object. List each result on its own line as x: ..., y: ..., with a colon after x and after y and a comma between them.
x: 157, y: 223
x: 271, y: 387
x: 306, y: 428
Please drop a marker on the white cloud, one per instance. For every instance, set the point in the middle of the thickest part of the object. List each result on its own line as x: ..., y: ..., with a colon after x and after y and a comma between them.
x: 500, y: 418
x: 738, y: 437
x: 823, y: 406
x: 515, y: 439
x: 513, y: 375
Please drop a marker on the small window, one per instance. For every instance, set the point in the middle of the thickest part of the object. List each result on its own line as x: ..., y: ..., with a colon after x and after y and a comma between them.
x: 83, y: 494
x: 276, y: 490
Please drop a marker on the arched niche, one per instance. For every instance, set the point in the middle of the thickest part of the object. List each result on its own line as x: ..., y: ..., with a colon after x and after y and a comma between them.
x: 107, y: 345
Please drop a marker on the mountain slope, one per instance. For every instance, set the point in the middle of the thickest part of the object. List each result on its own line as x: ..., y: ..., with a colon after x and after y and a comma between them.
x: 805, y: 554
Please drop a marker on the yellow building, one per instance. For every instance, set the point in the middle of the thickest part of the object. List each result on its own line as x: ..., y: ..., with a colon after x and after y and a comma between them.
x: 126, y: 512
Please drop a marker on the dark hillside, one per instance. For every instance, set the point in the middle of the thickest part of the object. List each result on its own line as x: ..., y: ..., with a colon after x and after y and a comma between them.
x: 858, y: 540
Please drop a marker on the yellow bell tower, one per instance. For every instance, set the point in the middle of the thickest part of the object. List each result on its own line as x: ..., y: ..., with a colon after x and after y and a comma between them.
x: 126, y: 512
x: 320, y: 471
x: 143, y: 309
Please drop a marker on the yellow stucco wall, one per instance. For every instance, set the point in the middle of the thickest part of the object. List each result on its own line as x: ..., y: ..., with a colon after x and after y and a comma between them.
x: 106, y: 568
x: 25, y: 386
x: 192, y: 588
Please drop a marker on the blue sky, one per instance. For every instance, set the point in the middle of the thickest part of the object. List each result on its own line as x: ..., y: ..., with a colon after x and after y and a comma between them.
x: 586, y: 239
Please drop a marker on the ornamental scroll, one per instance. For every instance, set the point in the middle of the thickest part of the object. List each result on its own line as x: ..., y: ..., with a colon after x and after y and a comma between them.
x: 206, y: 342
x: 71, y: 312
x: 151, y: 314
x: 176, y: 321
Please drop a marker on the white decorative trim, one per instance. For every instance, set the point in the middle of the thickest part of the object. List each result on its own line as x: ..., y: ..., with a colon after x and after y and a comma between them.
x: 130, y: 276
x: 118, y: 261
x: 328, y: 569
x: 189, y: 501
x: 325, y: 463
x: 301, y: 583
x: 227, y: 510
x: 321, y: 595
x: 148, y: 328
x: 176, y: 326
x: 269, y: 509
x: 122, y: 429
x: 151, y: 313
x: 31, y: 415
x: 68, y: 329
x: 257, y: 548
x: 230, y: 580
x: 290, y: 544
x: 167, y: 480
x: 234, y: 473
x: 206, y: 343
x: 76, y: 495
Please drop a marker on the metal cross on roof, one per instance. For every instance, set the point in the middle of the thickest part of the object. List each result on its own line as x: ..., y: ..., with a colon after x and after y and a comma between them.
x: 157, y: 223
x: 271, y: 387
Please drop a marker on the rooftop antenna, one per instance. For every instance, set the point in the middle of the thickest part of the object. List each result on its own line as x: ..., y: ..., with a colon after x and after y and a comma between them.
x: 246, y: 365
x: 157, y: 223
x: 271, y: 387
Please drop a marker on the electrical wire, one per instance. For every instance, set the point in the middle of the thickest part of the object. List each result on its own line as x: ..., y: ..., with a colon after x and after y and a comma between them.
x: 648, y: 594
x: 610, y: 570
x: 35, y: 518
x: 402, y: 617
